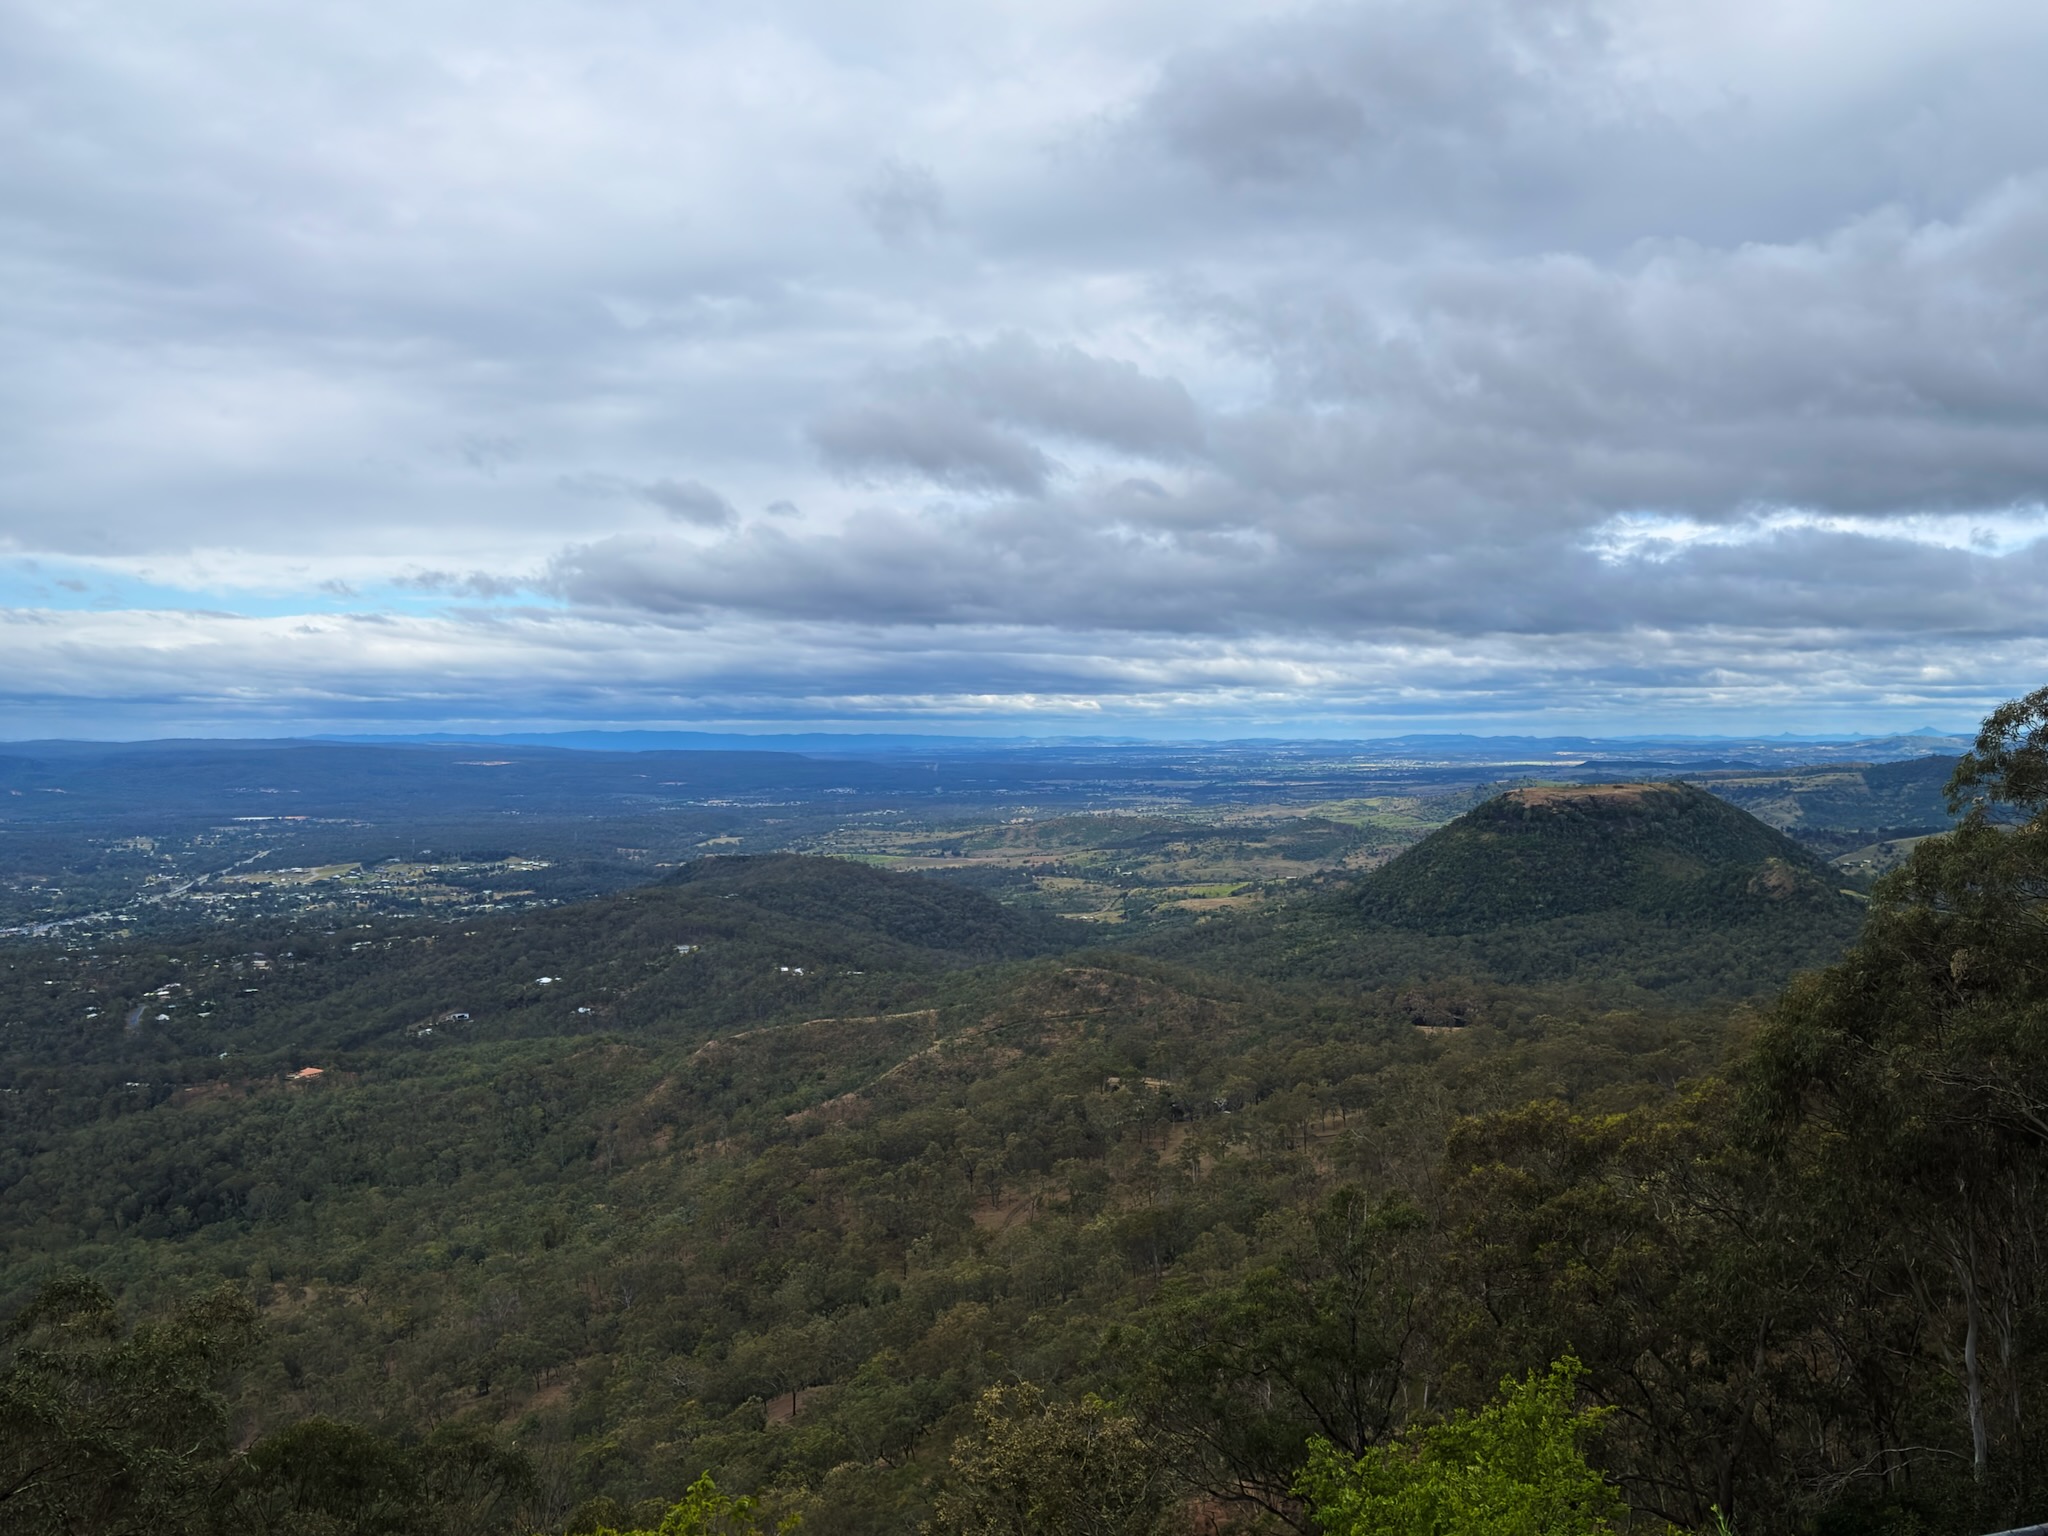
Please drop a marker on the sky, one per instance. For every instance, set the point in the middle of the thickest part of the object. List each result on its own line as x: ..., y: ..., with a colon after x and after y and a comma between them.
x: 1062, y: 367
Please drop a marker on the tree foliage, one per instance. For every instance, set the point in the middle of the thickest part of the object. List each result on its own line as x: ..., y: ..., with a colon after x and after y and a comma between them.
x: 1037, y: 1468
x: 1915, y: 1075
x: 107, y: 1429
x: 1317, y: 1341
x: 1517, y: 1467
x: 704, y: 1511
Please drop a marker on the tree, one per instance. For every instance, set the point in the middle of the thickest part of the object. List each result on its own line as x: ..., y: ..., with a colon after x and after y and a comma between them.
x: 1034, y: 1468
x: 1319, y: 1340
x: 2008, y: 763
x: 1916, y: 1071
x: 1515, y: 1468
x: 107, y: 1430
x: 704, y: 1511
x: 321, y: 1476
x: 1664, y: 1258
x: 472, y: 1481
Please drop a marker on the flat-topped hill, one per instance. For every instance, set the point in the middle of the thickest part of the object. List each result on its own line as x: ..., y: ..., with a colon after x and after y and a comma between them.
x: 1621, y: 892
x: 1665, y: 850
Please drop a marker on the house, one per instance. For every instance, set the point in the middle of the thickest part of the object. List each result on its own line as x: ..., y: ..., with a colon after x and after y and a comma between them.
x: 305, y: 1074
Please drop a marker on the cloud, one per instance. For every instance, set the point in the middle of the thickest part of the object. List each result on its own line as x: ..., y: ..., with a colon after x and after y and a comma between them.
x: 1886, y: 366
x: 687, y: 501
x: 488, y: 454
x: 343, y: 672
x: 476, y: 584
x: 902, y: 202
x: 887, y: 435
x: 1168, y: 355
x: 690, y: 501
x: 960, y: 416
x: 1201, y: 565
x: 1405, y: 80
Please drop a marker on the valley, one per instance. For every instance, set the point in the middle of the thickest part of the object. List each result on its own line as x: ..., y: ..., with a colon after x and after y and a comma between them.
x: 768, y: 1150
x: 157, y: 837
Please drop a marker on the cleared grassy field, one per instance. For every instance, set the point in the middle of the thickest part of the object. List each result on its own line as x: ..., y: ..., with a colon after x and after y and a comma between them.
x: 1144, y: 869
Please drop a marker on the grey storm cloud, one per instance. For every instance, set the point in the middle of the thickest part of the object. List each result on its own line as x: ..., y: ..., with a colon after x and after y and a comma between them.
x: 1421, y: 82
x: 963, y: 415
x: 1350, y: 352
x: 1890, y: 370
x: 1079, y: 568
x: 686, y: 501
x: 889, y: 434
x: 689, y: 501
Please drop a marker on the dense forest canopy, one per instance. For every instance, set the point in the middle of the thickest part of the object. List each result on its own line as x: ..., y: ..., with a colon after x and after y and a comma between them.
x: 1522, y: 1174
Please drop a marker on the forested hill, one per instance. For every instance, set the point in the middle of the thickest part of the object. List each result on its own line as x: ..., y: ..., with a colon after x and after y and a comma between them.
x: 915, y: 917
x: 1618, y: 892
x: 726, y: 943
x: 1660, y: 850
x: 1832, y: 800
